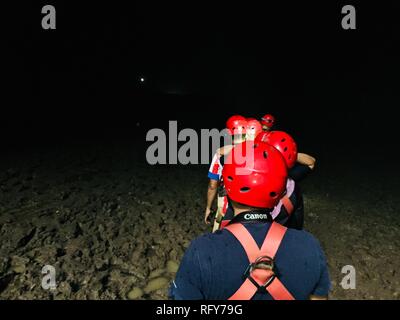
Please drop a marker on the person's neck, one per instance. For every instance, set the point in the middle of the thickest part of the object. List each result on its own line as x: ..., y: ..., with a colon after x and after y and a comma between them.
x: 237, y: 211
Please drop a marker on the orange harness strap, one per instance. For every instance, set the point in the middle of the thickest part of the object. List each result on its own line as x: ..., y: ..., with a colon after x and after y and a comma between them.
x: 224, y: 223
x: 287, y: 204
x: 269, y: 248
x: 225, y: 205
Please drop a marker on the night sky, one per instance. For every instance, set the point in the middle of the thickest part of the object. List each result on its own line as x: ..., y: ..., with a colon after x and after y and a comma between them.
x: 201, y: 63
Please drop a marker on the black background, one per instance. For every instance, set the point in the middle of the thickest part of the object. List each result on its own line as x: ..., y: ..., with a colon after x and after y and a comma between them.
x: 335, y: 90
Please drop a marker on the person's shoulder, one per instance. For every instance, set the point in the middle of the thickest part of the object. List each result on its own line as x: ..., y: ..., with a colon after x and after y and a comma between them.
x: 208, y: 237
x: 301, y: 234
x: 303, y: 239
x: 209, y: 240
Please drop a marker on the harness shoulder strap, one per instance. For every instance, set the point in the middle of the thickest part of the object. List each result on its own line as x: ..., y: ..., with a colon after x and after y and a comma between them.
x: 246, y: 240
x: 273, y: 240
x: 287, y: 203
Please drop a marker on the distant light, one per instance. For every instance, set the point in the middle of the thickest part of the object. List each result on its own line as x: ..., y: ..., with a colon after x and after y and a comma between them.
x: 141, y: 79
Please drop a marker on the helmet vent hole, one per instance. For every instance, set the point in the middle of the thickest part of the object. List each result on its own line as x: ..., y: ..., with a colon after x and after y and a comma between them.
x: 265, y: 154
x: 285, y: 149
x: 283, y: 140
x: 230, y: 178
x: 244, y: 189
x: 255, y: 145
x: 273, y: 194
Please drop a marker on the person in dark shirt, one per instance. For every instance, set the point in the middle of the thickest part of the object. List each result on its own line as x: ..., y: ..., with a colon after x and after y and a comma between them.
x: 253, y: 129
x: 274, y: 262
x: 290, y: 210
x: 297, y: 173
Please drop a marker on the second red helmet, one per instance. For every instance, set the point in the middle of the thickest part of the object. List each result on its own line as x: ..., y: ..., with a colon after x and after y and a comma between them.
x: 236, y: 125
x: 282, y: 142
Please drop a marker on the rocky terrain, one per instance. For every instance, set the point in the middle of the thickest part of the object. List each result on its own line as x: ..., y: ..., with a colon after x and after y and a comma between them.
x: 114, y: 227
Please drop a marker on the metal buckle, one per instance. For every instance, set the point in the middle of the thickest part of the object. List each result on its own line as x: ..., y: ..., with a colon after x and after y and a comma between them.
x: 263, y: 262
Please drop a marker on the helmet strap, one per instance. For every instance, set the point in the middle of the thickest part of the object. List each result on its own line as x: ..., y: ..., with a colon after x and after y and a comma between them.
x: 253, y: 216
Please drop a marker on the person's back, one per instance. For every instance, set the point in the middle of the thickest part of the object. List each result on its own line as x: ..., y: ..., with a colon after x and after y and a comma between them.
x: 290, y: 212
x: 290, y: 209
x: 214, y: 264
x: 253, y: 255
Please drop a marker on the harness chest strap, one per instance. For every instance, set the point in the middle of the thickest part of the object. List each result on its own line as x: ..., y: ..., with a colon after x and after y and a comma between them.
x: 269, y: 248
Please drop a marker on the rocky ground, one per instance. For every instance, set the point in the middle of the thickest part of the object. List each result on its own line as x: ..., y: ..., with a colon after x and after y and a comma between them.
x: 116, y: 228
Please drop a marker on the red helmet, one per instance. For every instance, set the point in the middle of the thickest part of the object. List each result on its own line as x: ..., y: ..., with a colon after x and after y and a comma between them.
x: 283, y: 142
x: 236, y: 125
x: 262, y: 137
x: 255, y: 174
x: 253, y: 127
x: 268, y: 120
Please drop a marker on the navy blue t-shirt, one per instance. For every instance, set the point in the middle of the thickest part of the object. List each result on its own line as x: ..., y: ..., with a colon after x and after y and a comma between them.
x: 212, y: 267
